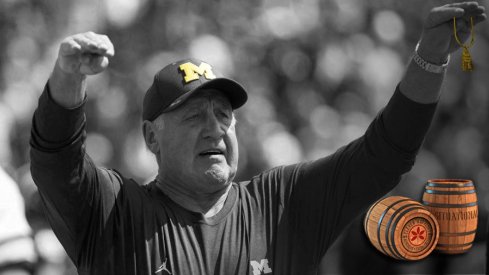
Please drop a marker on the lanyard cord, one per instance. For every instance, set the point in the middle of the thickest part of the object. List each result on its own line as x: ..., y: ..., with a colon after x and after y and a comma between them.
x: 471, y: 43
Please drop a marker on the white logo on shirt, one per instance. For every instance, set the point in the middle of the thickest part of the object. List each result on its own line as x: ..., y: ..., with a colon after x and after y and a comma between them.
x: 260, y: 267
x: 163, y: 268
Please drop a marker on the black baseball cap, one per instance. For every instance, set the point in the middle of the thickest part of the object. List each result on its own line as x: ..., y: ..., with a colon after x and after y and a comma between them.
x: 177, y: 81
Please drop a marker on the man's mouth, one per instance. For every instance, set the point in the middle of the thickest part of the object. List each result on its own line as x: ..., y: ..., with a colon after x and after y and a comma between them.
x: 211, y: 152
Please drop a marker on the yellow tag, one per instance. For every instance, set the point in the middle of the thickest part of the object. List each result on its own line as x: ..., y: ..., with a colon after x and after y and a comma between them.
x: 467, y: 65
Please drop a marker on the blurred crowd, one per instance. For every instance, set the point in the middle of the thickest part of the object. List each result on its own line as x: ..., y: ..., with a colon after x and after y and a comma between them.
x: 317, y: 72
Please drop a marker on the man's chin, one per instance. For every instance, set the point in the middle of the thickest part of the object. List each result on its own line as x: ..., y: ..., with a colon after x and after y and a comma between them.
x: 218, y: 175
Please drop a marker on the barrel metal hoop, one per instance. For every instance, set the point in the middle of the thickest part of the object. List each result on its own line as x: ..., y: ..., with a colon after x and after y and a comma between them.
x: 453, y: 251
x: 450, y: 234
x: 380, y: 223
x: 455, y: 245
x: 443, y: 205
x: 450, y: 185
x: 430, y: 191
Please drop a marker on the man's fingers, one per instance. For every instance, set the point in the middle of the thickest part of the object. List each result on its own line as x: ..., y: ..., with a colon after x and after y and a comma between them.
x: 463, y: 23
x: 96, y: 39
x: 92, y: 43
x: 103, y: 42
x: 85, y: 58
x: 479, y: 18
x: 464, y: 10
x: 474, y: 12
x: 85, y: 53
x: 464, y: 5
x: 110, y: 48
x: 440, y: 15
x: 69, y: 47
x: 94, y: 64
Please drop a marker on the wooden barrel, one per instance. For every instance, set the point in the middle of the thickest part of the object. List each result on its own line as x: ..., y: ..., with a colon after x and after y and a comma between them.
x: 454, y: 204
x: 401, y: 228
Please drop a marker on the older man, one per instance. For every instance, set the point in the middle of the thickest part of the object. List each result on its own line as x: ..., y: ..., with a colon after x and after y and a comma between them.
x: 193, y: 219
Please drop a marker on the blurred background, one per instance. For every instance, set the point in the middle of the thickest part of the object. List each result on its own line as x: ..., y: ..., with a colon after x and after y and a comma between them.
x: 317, y: 72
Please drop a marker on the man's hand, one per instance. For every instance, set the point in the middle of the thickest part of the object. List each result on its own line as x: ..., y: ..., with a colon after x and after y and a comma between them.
x: 437, y: 40
x: 79, y: 55
x: 85, y: 53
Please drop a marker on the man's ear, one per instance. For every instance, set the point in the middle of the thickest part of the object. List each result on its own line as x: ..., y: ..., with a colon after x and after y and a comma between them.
x: 149, y: 133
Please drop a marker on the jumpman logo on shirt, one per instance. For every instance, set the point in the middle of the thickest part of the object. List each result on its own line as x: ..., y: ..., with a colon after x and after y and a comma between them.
x: 163, y: 268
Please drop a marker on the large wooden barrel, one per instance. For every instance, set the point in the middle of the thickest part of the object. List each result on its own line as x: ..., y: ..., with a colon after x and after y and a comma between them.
x: 401, y: 228
x: 454, y: 204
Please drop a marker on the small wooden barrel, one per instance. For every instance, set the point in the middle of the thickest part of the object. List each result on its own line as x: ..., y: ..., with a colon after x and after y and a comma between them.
x: 401, y: 228
x: 454, y: 204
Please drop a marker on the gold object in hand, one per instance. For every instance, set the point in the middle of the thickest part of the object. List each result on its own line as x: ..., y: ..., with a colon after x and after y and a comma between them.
x: 467, y: 64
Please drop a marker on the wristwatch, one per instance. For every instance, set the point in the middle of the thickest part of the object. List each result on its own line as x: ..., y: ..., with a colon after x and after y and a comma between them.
x: 427, y: 66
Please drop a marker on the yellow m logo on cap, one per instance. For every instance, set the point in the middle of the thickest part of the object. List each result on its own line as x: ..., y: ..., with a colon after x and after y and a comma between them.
x: 193, y: 72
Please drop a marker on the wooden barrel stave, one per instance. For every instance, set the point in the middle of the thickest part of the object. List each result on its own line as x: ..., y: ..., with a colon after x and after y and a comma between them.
x: 386, y: 222
x: 454, y: 204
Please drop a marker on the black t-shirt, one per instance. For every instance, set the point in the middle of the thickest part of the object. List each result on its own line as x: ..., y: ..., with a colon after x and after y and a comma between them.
x: 281, y: 221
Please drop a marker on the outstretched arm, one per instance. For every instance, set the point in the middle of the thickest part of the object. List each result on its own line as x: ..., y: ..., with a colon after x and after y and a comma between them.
x: 333, y: 190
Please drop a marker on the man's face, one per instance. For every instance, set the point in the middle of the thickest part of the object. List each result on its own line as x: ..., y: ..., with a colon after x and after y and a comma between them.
x: 198, y: 148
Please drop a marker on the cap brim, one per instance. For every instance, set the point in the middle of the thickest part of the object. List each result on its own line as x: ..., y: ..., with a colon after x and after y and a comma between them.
x: 231, y: 89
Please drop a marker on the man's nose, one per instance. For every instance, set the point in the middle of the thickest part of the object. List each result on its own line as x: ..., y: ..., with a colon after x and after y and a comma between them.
x: 213, y: 128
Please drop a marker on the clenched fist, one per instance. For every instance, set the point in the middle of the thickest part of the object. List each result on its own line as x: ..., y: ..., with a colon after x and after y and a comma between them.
x: 85, y: 53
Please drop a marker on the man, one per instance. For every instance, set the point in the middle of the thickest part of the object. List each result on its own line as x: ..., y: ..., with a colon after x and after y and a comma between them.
x: 17, y: 251
x: 193, y: 219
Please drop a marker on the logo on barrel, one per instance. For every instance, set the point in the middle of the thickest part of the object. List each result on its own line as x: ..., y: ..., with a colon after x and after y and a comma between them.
x: 417, y: 235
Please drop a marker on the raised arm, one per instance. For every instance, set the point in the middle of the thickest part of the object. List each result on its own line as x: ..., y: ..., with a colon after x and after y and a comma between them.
x: 77, y: 195
x: 330, y: 192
